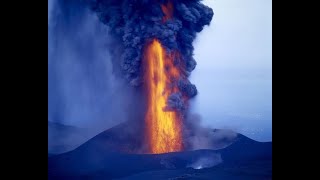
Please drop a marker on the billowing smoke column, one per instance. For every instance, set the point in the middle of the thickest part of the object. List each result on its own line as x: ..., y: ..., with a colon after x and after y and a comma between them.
x: 170, y: 27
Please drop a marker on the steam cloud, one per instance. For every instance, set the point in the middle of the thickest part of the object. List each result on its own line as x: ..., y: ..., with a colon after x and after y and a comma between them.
x: 206, y: 162
x: 133, y: 23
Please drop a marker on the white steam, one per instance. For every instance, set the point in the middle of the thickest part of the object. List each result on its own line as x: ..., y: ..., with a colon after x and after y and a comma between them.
x: 206, y: 162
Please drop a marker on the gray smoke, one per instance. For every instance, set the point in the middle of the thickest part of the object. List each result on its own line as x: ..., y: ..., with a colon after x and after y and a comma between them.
x: 82, y: 88
x: 199, y: 137
x: 206, y: 161
x: 133, y: 23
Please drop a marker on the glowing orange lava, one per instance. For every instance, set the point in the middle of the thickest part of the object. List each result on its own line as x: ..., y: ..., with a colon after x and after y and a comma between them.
x: 163, y: 127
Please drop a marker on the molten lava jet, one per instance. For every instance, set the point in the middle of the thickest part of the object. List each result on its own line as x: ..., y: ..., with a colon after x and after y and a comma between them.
x: 163, y: 127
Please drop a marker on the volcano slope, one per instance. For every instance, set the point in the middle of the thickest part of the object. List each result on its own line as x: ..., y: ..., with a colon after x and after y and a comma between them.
x: 63, y: 138
x: 106, y: 156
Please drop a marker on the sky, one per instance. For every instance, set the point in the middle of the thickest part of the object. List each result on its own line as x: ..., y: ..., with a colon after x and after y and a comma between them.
x: 233, y: 74
x: 234, y: 68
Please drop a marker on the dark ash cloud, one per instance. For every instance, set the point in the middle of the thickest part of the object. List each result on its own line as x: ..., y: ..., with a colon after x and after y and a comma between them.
x: 133, y: 23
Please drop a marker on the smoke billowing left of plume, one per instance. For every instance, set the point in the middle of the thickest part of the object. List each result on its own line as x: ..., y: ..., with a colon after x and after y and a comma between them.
x: 134, y: 22
x: 82, y: 88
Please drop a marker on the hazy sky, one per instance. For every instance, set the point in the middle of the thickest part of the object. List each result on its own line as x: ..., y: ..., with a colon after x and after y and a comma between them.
x: 234, y: 71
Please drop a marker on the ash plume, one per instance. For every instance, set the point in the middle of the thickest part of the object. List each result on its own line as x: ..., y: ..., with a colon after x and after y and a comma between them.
x: 133, y: 23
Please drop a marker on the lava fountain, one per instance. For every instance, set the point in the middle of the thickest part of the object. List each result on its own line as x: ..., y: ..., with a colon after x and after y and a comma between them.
x: 163, y: 126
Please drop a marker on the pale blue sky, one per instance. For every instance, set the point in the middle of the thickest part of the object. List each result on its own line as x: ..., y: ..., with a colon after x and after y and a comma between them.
x: 234, y: 71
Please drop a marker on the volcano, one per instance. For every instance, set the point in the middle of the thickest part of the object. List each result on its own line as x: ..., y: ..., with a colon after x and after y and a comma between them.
x: 114, y: 154
x: 151, y: 48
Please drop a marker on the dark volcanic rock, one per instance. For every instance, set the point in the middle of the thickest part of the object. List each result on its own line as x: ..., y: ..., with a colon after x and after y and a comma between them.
x: 105, y: 156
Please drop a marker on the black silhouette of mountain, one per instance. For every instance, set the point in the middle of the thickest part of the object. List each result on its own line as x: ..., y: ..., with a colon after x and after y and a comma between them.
x: 105, y: 157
